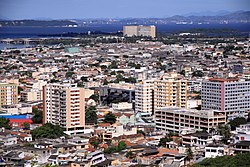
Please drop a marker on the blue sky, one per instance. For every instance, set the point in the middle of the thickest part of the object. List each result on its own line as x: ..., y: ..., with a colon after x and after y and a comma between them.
x: 70, y: 9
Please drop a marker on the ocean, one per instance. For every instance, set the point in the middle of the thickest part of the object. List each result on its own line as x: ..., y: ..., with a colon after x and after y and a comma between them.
x: 35, y: 32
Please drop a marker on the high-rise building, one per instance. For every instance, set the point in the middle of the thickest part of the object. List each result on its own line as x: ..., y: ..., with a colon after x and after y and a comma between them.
x: 144, y: 94
x: 63, y: 104
x: 170, y: 93
x: 140, y: 30
x: 227, y: 95
x: 8, y: 94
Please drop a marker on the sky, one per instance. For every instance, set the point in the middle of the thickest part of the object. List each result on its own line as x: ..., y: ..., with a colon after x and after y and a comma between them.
x: 80, y: 9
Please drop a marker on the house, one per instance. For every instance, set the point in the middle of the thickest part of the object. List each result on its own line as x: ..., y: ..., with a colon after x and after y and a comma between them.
x: 214, y: 150
x: 200, y: 139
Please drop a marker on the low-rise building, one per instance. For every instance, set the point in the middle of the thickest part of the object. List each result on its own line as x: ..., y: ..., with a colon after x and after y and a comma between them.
x: 175, y: 119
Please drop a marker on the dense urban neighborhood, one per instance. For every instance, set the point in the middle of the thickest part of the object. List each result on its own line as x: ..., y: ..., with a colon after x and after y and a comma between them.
x: 135, y: 99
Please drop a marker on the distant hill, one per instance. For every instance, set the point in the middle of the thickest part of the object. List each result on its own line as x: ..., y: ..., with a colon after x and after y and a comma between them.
x: 235, y: 17
x: 37, y: 23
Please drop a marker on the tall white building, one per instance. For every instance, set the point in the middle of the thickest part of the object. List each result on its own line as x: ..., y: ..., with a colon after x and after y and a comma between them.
x: 64, y: 104
x: 228, y: 95
x: 140, y: 30
x: 144, y: 97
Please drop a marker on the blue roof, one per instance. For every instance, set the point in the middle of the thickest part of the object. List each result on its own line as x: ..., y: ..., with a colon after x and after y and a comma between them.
x: 28, y: 116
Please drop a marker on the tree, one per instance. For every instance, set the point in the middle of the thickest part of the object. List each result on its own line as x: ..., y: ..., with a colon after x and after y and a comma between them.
x: 90, y: 115
x: 38, y: 117
x: 5, y: 123
x: 183, y: 72
x: 69, y: 74
x: 19, y: 89
x: 164, y: 140
x: 198, y: 74
x: 26, y: 126
x: 141, y: 132
x: 122, y: 145
x: 47, y: 131
x: 236, y: 122
x: 189, y: 153
x: 110, y: 118
x: 224, y: 131
x: 129, y: 155
x: 95, y: 97
x: 241, y: 159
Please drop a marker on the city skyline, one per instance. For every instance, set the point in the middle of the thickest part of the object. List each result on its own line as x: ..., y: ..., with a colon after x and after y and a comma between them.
x: 76, y: 9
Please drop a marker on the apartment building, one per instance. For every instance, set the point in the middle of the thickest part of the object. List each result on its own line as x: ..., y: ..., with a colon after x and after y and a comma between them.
x: 140, y: 30
x: 228, y: 95
x: 8, y: 94
x: 144, y: 95
x: 170, y: 93
x: 64, y: 105
x: 177, y: 119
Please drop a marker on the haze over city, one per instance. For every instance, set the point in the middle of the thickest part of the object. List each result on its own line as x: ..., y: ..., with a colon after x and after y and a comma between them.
x: 79, y: 9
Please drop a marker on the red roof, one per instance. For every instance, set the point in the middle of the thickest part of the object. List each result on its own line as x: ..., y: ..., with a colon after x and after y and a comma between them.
x: 21, y: 121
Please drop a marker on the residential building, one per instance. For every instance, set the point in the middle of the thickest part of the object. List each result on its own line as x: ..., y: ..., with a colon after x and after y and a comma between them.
x: 144, y: 95
x: 8, y: 94
x: 122, y: 106
x: 177, y: 119
x: 228, y: 95
x: 170, y: 93
x: 214, y: 150
x: 63, y: 104
x: 140, y: 30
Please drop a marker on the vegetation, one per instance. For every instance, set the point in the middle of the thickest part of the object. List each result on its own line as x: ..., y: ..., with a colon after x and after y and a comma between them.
x: 236, y: 122
x: 4, y: 123
x: 141, y: 132
x: 69, y: 74
x: 26, y: 126
x: 224, y: 131
x: 163, y: 141
x: 19, y: 89
x: 110, y: 118
x: 95, y: 97
x: 90, y: 115
x: 242, y: 160
x: 38, y: 117
x: 47, y: 131
x: 189, y: 153
x: 129, y: 155
x: 121, y: 146
x: 198, y: 74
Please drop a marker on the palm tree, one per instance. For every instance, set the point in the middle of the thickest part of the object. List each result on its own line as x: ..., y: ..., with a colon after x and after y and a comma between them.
x: 190, y: 154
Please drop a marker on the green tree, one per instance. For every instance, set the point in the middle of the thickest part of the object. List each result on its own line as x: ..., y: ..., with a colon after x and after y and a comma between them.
x: 95, y: 97
x: 129, y: 155
x: 38, y: 116
x: 48, y: 131
x: 69, y: 74
x: 122, y: 145
x: 239, y: 160
x: 141, y: 132
x: 5, y: 123
x: 198, y: 74
x: 110, y: 118
x: 19, y: 89
x: 90, y: 115
x: 236, y: 122
x: 26, y: 126
x: 190, y: 154
x: 113, y: 65
x: 164, y: 140
x: 183, y: 72
x: 224, y: 131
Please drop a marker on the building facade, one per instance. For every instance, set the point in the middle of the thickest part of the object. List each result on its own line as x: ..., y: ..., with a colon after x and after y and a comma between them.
x: 8, y: 94
x: 227, y: 95
x: 177, y: 119
x: 140, y: 30
x: 170, y: 93
x: 63, y: 104
x: 144, y: 94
